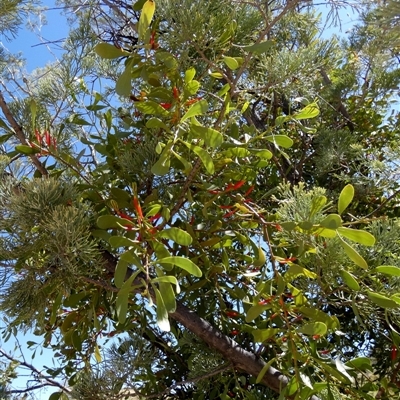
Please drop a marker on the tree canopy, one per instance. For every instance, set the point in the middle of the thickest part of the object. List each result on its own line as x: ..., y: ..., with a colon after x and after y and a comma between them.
x: 199, y: 200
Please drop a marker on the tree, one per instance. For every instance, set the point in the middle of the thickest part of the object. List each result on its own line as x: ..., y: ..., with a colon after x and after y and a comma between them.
x: 227, y: 225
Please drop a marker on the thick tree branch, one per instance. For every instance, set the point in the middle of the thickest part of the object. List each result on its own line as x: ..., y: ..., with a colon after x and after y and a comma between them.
x: 20, y: 134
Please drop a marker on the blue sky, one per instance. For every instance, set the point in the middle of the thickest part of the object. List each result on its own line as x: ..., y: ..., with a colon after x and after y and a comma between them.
x: 39, y: 48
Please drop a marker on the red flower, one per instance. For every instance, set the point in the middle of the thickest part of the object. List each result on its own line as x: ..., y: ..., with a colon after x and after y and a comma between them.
x: 166, y: 106
x: 175, y: 93
x: 394, y: 352
x: 235, y: 332
x: 232, y: 314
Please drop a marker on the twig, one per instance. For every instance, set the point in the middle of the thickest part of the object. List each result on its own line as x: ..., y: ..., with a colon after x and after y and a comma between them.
x: 20, y: 134
x: 50, y: 381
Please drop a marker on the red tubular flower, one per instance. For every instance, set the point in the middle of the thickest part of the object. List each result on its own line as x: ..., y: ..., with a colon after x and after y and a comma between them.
x: 175, y: 93
x: 138, y: 208
x: 235, y: 186
x: 232, y: 314
x: 394, y: 352
x: 166, y: 106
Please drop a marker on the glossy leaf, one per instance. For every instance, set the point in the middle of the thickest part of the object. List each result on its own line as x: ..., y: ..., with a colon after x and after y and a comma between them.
x: 388, y: 270
x: 211, y: 137
x: 109, y: 51
x: 280, y: 140
x: 204, y: 157
x: 255, y: 311
x: 360, y: 363
x: 357, y: 235
x: 345, y: 198
x: 259, y: 48
x: 151, y: 108
x: 112, y: 222
x: 168, y: 279
x: 183, y: 263
x: 308, y: 112
x: 24, y: 149
x: 198, y: 108
x: 168, y: 296
x: 177, y: 235
x: 260, y: 335
x: 120, y: 241
x: 265, y: 368
x: 332, y: 221
x: 259, y: 258
x: 350, y: 280
x: 145, y: 18
x: 123, y: 86
x: 382, y: 301
x: 189, y: 75
x: 353, y: 255
x: 231, y: 63
x: 122, y: 299
x: 314, y: 328
x: 162, y: 314
x: 120, y: 273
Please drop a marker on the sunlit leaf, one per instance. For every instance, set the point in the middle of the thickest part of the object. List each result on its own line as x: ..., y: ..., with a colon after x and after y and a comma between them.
x: 204, y: 157
x: 198, y: 108
x: 259, y: 48
x: 353, y: 255
x: 211, y: 137
x: 357, y: 235
x: 265, y: 368
x: 177, y: 235
x: 151, y: 107
x: 382, y: 301
x: 145, y: 17
x: 109, y: 51
x: 314, y: 328
x: 189, y: 74
x: 231, y: 63
x: 162, y: 314
x: 388, y: 270
x: 168, y: 296
x: 260, y: 335
x: 24, y: 149
x: 350, y: 280
x: 310, y: 111
x: 168, y: 279
x: 332, y: 221
x: 280, y: 140
x: 183, y: 263
x: 345, y: 198
x: 123, y: 86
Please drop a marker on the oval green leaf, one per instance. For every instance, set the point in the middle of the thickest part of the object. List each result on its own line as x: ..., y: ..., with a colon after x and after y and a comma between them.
x: 112, y: 222
x: 354, y: 255
x: 357, y: 235
x: 313, y: 328
x: 231, y: 63
x: 145, y: 17
x: 260, y: 335
x: 345, y: 198
x: 382, y: 301
x: 123, y: 86
x: 151, y: 108
x: 24, y: 149
x: 260, y: 48
x: 177, y: 235
x: 332, y: 221
x: 211, y: 137
x: 168, y: 296
x: 162, y: 314
x: 310, y: 111
x: 349, y: 280
x: 388, y: 270
x: 168, y: 279
x: 199, y: 108
x: 281, y: 140
x: 120, y: 241
x: 109, y: 51
x: 183, y: 263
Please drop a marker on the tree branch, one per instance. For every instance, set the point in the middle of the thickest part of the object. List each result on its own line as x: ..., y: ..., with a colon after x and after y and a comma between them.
x: 50, y: 381
x: 20, y: 134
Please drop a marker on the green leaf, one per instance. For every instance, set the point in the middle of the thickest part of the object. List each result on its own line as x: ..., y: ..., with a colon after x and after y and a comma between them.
x: 168, y: 279
x: 204, y: 157
x: 162, y: 314
x: 24, y: 149
x: 109, y: 51
x: 112, y: 222
x: 168, y: 296
x: 151, y: 107
x: 177, y: 235
x: 296, y: 270
x: 162, y: 166
x: 97, y: 354
x: 120, y: 273
x: 349, y: 280
x: 255, y: 311
x: 280, y: 140
x: 260, y: 335
x: 360, y: 363
x: 357, y: 235
x: 345, y: 198
x: 157, y: 123
x: 382, y: 301
x: 332, y: 221
x: 55, y: 396
x: 183, y: 263
x: 259, y: 48
x: 314, y: 328
x: 189, y: 75
x: 231, y: 63
x: 192, y: 88
x: 145, y: 18
x: 138, y: 5
x: 388, y: 270
x: 199, y: 108
x: 310, y: 111
x: 122, y: 299
x: 353, y: 255
x: 123, y: 86
x: 265, y: 368
x: 259, y: 257
x: 211, y: 137
x: 120, y: 241
x: 264, y: 154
